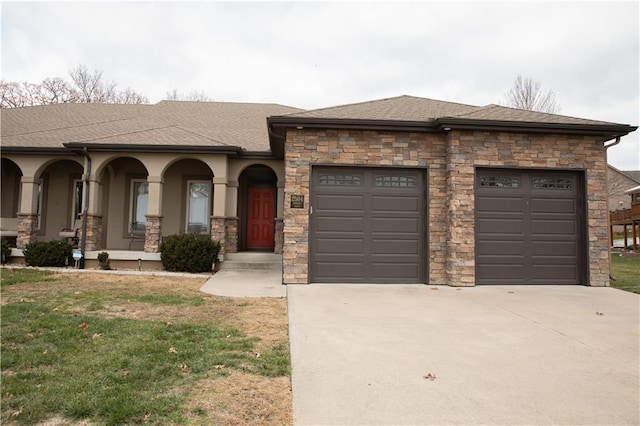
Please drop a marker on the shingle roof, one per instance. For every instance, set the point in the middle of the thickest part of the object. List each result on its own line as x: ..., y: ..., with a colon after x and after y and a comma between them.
x: 411, y: 108
x: 165, y: 123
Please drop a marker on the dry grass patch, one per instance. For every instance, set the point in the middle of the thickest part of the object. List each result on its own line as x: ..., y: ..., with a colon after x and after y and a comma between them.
x: 244, y: 394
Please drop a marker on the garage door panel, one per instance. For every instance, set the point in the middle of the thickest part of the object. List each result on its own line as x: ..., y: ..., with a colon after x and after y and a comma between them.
x: 339, y: 245
x: 500, y: 226
x: 346, y: 271
x: 502, y: 274
x: 564, y: 227
x: 404, y: 247
x: 340, y: 224
x: 488, y: 204
x: 551, y: 206
x: 395, y: 225
x: 391, y: 204
x: 559, y: 274
x: 340, y: 202
x: 394, y: 270
x: 497, y: 247
x: 554, y: 248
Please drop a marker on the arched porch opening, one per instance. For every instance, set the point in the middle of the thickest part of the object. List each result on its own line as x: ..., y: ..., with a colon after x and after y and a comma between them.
x: 187, y: 201
x: 257, y: 208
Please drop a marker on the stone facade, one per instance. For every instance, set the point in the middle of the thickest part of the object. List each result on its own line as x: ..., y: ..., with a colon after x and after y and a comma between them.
x: 27, y: 229
x: 278, y: 237
x: 153, y: 234
x: 219, y: 232
x: 231, y: 225
x: 94, y: 233
x: 450, y: 159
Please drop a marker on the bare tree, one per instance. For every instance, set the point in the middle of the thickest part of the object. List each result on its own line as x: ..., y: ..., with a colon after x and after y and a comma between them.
x: 195, y: 96
x: 85, y: 86
x: 527, y: 94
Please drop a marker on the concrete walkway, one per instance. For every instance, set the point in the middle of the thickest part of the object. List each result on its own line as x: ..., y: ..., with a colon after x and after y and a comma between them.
x: 507, y: 355
x: 244, y: 283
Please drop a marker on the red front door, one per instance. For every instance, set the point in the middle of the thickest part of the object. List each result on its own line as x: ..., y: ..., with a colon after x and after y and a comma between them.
x: 260, y: 217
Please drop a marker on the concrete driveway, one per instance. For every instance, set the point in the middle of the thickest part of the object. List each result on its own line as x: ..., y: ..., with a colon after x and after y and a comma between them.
x: 507, y: 355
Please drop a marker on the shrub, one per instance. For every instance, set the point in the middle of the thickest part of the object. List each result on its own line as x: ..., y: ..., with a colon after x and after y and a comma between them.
x: 48, y: 253
x: 6, y: 251
x: 189, y: 253
x: 103, y: 260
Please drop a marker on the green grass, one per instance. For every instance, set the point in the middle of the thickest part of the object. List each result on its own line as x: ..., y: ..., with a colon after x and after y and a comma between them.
x: 626, y: 271
x: 12, y: 276
x: 56, y: 362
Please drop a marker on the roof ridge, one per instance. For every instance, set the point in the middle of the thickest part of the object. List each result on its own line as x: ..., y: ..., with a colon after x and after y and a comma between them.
x: 126, y: 133
x: 93, y: 123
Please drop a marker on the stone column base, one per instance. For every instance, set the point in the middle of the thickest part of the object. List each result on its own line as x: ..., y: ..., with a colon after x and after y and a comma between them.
x: 231, y: 225
x: 94, y: 233
x: 27, y: 229
x: 153, y: 234
x: 219, y: 232
x: 279, y: 236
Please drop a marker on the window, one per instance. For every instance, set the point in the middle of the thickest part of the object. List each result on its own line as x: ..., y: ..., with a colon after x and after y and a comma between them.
x: 552, y: 183
x: 342, y: 180
x: 198, y: 206
x: 500, y: 181
x: 39, y: 202
x: 395, y: 181
x: 76, y: 208
x: 139, y: 198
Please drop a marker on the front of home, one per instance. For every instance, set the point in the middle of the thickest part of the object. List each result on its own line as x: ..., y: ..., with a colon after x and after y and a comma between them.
x: 399, y: 190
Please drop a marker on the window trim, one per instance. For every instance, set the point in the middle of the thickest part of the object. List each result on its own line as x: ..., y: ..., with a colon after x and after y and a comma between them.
x: 75, y: 213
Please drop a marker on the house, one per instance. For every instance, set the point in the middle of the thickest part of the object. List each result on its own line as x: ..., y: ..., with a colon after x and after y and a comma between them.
x: 619, y: 181
x: 398, y: 190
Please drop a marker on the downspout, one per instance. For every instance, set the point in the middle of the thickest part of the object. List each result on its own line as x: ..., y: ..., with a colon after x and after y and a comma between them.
x: 85, y: 205
x: 609, y: 227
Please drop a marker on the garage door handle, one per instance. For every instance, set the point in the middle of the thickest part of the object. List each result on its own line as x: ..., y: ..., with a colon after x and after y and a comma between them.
x: 310, y: 209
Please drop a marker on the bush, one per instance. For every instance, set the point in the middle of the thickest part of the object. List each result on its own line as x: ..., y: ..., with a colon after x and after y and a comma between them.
x: 48, y: 253
x: 189, y: 253
x: 6, y: 251
x: 103, y: 260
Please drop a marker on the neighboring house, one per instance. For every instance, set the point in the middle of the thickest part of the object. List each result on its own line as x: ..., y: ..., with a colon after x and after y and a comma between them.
x: 396, y: 190
x: 619, y: 182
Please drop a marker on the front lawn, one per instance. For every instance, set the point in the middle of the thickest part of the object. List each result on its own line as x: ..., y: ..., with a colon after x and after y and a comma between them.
x: 625, y: 268
x: 114, y: 349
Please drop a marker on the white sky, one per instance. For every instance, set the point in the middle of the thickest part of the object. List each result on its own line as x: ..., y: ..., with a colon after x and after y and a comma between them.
x: 320, y: 54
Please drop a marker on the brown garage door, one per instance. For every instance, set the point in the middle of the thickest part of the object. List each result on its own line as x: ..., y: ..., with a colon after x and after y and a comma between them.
x: 529, y: 227
x: 367, y: 225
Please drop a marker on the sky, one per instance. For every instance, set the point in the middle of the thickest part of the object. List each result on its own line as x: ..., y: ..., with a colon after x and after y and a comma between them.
x: 320, y: 54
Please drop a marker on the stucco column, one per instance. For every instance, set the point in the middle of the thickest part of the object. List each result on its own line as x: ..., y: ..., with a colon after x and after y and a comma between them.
x: 231, y: 217
x: 218, y: 226
x: 94, y: 214
x: 153, y: 231
x: 28, y: 211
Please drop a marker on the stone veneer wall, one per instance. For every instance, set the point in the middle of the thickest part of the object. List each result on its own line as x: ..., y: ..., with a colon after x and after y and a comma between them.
x: 451, y: 160
x: 278, y: 237
x: 467, y: 150
x: 94, y: 233
x: 219, y: 232
x: 27, y: 229
x: 153, y: 233
x: 231, y: 225
x: 365, y: 148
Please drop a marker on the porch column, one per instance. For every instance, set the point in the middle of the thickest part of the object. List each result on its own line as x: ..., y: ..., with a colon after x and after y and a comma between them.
x: 218, y: 226
x: 94, y: 215
x: 153, y: 231
x: 279, y: 225
x: 28, y: 211
x: 231, y: 213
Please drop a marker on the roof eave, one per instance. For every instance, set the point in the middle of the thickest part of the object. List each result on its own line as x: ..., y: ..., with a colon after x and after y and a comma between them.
x: 200, y: 149
x: 609, y: 130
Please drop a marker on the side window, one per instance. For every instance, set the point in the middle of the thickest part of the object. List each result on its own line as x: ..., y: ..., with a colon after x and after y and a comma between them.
x: 76, y: 208
x: 139, y: 199
x: 39, y: 205
x: 198, y: 206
